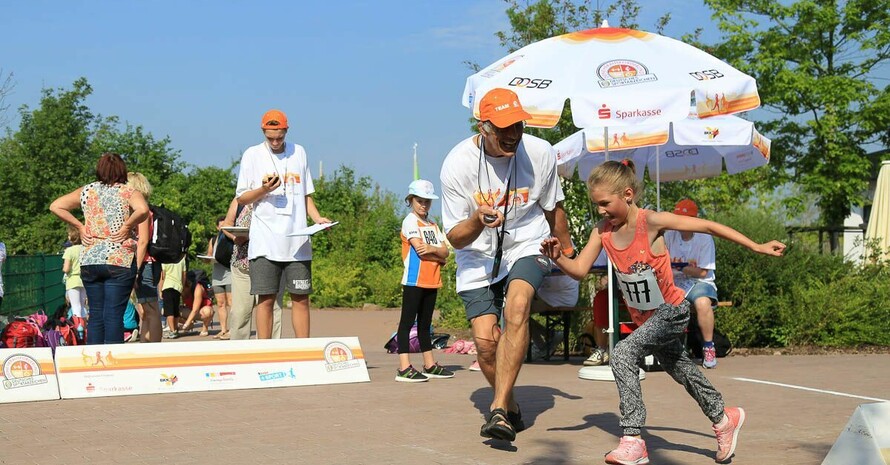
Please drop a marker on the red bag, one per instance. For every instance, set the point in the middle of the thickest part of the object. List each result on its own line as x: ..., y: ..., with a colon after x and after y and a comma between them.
x: 22, y: 332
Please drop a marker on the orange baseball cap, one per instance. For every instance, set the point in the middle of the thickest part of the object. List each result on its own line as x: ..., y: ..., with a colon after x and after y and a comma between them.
x: 686, y: 207
x: 274, y: 119
x: 502, y: 108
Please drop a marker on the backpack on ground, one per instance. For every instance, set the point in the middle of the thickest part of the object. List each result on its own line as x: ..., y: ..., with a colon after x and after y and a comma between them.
x: 170, y: 237
x: 392, y: 346
x: 22, y: 332
x: 59, y: 330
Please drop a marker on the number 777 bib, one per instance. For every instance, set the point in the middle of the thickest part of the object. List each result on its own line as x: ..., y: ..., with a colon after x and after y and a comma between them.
x: 640, y: 290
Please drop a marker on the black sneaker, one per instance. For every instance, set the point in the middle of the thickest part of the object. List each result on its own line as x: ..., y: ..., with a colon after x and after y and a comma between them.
x: 410, y: 375
x: 437, y: 371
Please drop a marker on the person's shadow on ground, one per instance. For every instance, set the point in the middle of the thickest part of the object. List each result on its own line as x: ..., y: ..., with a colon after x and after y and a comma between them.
x: 532, y: 400
x: 609, y: 423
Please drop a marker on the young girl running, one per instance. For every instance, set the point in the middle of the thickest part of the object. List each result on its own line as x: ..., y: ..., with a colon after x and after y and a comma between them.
x: 424, y: 252
x: 633, y: 241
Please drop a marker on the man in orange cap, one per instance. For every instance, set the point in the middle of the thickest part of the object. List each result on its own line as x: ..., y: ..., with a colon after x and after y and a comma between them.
x: 275, y: 178
x: 696, y: 278
x: 500, y: 198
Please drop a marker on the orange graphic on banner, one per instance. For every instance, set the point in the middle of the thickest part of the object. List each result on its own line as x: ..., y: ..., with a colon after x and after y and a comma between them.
x: 109, y: 362
x: 606, y: 34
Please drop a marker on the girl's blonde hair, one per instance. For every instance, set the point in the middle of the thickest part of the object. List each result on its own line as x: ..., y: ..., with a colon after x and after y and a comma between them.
x: 73, y: 235
x: 616, y: 176
x: 138, y: 181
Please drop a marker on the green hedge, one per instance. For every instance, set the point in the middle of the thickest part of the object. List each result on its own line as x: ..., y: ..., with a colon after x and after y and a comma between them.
x: 802, y: 298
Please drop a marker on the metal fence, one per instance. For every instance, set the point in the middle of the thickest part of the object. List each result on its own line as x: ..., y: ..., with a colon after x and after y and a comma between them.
x: 32, y: 282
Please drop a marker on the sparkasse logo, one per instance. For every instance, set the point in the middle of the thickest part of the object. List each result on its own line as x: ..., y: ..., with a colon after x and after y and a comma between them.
x: 606, y: 113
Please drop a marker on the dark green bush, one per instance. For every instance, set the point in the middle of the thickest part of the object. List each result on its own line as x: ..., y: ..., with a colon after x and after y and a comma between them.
x: 802, y: 298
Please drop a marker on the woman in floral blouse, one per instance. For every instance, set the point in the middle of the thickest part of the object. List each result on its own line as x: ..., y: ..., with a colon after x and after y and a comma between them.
x: 107, y: 265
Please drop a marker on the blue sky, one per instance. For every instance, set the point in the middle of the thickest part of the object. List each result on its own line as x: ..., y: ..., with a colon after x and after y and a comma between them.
x: 361, y: 81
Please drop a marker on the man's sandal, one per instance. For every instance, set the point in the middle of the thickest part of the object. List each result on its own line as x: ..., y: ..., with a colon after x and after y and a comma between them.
x: 498, y: 426
x: 516, y: 419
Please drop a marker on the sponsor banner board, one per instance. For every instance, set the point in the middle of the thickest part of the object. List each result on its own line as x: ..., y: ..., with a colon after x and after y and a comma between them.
x: 27, y: 374
x: 129, y: 369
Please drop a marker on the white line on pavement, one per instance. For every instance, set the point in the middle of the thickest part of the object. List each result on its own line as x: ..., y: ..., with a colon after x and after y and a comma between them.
x: 804, y: 388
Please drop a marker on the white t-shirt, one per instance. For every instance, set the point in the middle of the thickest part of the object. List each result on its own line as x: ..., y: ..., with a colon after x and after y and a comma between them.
x: 281, y: 211
x: 467, y: 178
x: 698, y: 251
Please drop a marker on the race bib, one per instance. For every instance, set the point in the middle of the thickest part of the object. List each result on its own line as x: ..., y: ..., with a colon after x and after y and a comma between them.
x: 640, y: 290
x: 429, y: 236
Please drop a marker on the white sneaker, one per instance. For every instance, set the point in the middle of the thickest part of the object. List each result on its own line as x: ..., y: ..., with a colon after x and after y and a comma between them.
x: 597, y: 358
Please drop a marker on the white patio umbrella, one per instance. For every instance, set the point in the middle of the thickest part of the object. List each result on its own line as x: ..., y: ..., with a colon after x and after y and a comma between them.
x: 879, y: 220
x: 689, y: 149
x: 615, y: 77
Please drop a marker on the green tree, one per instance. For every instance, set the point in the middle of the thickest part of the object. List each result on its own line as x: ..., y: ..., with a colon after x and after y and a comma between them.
x: 55, y: 151
x: 815, y: 64
x: 47, y: 157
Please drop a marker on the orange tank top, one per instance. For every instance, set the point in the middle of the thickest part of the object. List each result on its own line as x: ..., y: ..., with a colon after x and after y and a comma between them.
x: 645, y: 279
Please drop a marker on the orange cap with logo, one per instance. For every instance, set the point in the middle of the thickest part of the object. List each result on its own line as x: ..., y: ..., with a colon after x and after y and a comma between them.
x: 502, y: 108
x: 686, y: 207
x: 274, y: 119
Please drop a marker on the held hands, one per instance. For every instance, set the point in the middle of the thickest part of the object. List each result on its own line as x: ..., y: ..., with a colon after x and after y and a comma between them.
x: 323, y: 220
x: 240, y: 240
x: 551, y: 248
x: 774, y: 248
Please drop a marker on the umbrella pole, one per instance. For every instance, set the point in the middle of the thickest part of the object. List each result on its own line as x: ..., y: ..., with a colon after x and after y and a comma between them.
x: 657, y: 178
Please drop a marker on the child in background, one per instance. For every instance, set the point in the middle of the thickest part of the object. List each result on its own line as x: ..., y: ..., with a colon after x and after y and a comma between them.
x: 697, y: 278
x: 423, y: 253
x: 131, y: 324
x: 196, y: 298
x: 172, y: 277
x: 74, y: 291
x: 633, y: 240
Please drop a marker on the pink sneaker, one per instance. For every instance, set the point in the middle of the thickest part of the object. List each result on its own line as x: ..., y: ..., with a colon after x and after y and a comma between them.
x: 630, y: 451
x: 475, y: 366
x: 728, y: 434
x: 709, y: 357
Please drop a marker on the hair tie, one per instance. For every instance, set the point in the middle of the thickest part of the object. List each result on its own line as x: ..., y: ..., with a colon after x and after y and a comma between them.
x: 624, y: 162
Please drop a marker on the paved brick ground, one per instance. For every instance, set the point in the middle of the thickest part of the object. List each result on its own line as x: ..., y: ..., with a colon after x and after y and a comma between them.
x: 571, y: 420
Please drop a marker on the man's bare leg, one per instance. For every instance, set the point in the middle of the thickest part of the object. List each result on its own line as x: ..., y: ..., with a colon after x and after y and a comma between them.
x: 299, y: 314
x: 264, y: 316
x: 513, y: 345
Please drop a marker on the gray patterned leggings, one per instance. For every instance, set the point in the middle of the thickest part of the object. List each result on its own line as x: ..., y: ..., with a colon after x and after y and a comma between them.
x: 660, y: 336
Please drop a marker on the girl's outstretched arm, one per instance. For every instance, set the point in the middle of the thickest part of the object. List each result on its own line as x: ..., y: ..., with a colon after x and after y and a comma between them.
x: 663, y: 220
x: 580, y: 266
